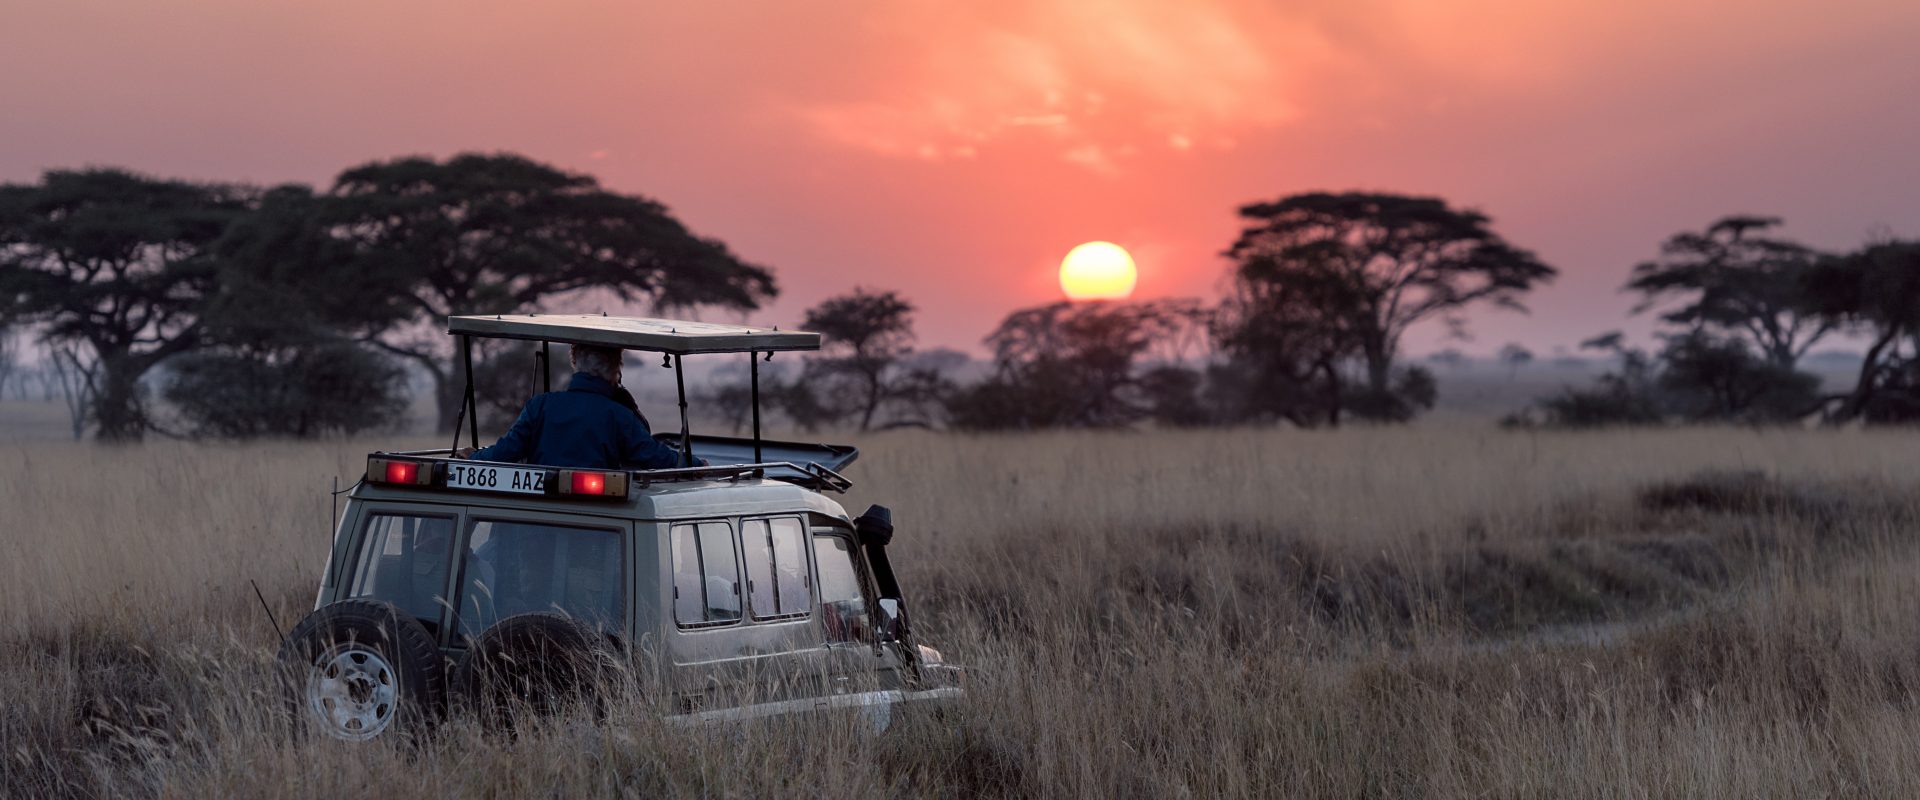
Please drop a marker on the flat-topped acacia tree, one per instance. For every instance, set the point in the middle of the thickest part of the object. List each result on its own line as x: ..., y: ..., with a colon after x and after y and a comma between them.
x: 864, y: 336
x: 1399, y: 260
x: 1737, y: 279
x: 112, y: 267
x: 478, y: 234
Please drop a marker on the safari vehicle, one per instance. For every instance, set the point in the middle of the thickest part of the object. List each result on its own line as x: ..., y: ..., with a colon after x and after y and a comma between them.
x: 732, y: 590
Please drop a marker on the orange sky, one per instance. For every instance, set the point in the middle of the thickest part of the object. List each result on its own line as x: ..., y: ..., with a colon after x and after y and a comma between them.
x: 957, y: 150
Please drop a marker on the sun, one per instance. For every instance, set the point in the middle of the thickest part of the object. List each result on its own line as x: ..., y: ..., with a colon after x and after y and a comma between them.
x: 1098, y: 271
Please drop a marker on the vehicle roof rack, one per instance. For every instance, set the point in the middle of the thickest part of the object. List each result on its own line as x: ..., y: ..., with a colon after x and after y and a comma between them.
x: 675, y: 337
x: 811, y: 475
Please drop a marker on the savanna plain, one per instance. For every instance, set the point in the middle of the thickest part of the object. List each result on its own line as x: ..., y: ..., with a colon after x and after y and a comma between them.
x: 1425, y: 612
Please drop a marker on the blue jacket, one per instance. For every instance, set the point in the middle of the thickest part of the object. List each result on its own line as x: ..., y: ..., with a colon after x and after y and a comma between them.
x: 584, y: 427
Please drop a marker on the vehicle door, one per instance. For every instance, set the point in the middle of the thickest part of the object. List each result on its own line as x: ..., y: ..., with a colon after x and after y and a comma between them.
x: 742, y: 624
x: 850, y: 658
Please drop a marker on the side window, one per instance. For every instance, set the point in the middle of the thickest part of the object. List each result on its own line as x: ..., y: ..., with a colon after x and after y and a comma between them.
x: 404, y: 561
x: 776, y: 557
x: 842, y: 607
x: 706, y: 576
x: 523, y: 567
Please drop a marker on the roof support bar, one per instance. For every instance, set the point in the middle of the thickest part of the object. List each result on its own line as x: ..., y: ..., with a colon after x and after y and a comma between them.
x: 753, y: 370
x: 546, y: 366
x: 473, y: 408
x: 686, y: 432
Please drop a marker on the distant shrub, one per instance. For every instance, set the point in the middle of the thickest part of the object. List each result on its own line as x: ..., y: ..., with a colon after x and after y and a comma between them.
x: 301, y: 392
x: 1697, y: 377
x: 1710, y: 378
x: 1173, y: 397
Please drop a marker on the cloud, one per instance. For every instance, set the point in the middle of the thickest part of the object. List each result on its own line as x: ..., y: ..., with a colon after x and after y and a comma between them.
x: 1085, y: 76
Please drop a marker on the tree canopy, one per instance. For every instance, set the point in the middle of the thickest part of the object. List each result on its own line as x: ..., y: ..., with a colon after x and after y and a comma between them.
x: 1734, y: 278
x: 1876, y: 292
x: 1381, y: 263
x: 116, y: 265
x: 1069, y: 365
x: 280, y: 353
x: 864, y: 336
x: 478, y: 234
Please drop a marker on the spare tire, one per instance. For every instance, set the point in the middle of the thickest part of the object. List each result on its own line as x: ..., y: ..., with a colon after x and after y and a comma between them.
x: 356, y: 669
x: 540, y: 662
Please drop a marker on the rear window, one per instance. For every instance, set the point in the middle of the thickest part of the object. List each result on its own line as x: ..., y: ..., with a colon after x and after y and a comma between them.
x: 522, y: 567
x: 404, y: 560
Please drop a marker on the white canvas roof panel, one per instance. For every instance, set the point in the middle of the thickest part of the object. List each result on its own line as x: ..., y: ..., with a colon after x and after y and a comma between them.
x: 679, y: 337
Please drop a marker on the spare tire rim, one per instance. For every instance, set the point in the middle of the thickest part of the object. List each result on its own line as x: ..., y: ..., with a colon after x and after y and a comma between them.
x: 352, y: 692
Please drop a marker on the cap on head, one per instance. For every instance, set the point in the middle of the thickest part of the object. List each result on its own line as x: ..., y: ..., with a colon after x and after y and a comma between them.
x: 597, y: 360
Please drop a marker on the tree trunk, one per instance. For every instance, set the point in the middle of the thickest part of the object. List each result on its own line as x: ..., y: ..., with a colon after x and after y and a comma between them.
x: 1863, y: 386
x: 1333, y: 393
x: 116, y: 408
x: 449, y: 393
x: 1379, y: 368
x: 873, y: 402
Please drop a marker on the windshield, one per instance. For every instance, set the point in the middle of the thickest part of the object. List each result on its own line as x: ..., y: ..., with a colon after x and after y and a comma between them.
x: 843, y: 607
x: 523, y: 567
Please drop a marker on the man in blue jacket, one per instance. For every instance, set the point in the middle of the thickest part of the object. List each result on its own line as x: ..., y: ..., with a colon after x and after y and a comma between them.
x: 591, y: 425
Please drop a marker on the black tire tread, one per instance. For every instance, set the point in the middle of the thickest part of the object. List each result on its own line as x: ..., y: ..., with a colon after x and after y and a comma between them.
x: 499, y: 653
x: 416, y: 656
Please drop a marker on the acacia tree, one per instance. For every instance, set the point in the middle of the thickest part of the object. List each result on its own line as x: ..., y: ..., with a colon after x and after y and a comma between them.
x: 112, y: 266
x: 1069, y: 365
x: 1737, y: 280
x: 280, y: 351
x: 1286, y: 331
x: 1877, y: 292
x: 864, y: 337
x: 1407, y: 260
x: 1515, y: 355
x: 483, y: 234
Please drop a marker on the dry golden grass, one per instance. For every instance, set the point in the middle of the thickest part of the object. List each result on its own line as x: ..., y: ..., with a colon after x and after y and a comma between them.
x: 1390, y: 613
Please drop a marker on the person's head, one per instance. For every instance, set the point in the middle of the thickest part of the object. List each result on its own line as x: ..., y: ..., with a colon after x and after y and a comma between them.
x: 595, y: 360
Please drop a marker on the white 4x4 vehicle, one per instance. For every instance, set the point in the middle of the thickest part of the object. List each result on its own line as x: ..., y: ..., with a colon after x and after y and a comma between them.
x: 729, y: 591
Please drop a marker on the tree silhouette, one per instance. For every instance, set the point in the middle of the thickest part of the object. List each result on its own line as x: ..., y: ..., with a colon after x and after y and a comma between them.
x: 482, y: 234
x: 1515, y: 356
x: 1286, y: 330
x: 113, y: 266
x: 1718, y: 378
x: 1877, y: 291
x: 1068, y: 365
x: 279, y: 353
x: 1627, y: 395
x: 1407, y: 259
x: 864, y: 337
x: 1737, y: 280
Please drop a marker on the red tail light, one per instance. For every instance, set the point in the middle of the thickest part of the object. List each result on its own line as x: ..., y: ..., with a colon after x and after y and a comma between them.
x: 388, y: 470
x: 602, y: 484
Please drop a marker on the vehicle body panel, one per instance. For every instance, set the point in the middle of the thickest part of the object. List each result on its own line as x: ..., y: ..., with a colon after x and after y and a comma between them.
x: 746, y: 668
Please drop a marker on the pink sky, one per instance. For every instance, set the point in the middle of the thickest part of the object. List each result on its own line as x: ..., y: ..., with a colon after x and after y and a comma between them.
x: 956, y: 150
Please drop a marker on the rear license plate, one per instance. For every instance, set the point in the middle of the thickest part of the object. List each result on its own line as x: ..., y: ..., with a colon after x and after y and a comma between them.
x: 511, y: 480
